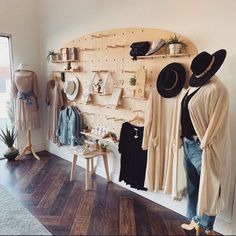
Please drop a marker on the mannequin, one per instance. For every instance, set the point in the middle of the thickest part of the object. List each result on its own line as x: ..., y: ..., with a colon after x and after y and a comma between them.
x: 205, y: 134
x: 25, y: 93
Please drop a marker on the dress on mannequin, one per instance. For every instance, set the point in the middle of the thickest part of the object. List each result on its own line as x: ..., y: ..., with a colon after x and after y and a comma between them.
x: 25, y: 93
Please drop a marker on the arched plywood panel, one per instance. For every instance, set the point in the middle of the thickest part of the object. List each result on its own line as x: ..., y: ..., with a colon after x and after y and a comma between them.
x: 109, y: 51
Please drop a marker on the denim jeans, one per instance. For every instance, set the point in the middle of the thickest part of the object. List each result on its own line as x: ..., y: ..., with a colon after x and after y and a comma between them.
x: 192, y: 165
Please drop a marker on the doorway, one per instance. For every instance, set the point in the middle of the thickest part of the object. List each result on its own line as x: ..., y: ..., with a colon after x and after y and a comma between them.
x: 6, y: 107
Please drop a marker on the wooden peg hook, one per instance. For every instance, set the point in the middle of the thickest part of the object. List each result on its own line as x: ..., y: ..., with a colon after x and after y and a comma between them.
x: 111, y: 118
x: 119, y: 120
x: 138, y: 111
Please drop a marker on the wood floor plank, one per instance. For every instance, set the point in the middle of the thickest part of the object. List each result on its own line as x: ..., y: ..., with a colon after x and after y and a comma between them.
x: 83, y: 214
x: 38, y: 177
x: 141, y: 218
x: 60, y: 201
x: 111, y: 226
x: 97, y: 217
x: 45, y: 183
x: 53, y: 190
x: 157, y: 224
x: 69, y: 212
x: 127, y: 224
x: 48, y: 219
x: 25, y: 181
x: 58, y: 229
x: 65, y: 207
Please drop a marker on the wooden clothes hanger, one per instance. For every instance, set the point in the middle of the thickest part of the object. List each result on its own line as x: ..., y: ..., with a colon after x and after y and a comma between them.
x: 137, y: 120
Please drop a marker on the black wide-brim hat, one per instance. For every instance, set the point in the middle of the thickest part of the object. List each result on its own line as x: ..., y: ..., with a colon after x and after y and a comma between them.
x: 171, y: 80
x: 204, y: 66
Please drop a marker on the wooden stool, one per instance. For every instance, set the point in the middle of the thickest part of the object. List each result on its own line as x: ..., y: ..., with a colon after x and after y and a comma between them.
x: 88, y: 157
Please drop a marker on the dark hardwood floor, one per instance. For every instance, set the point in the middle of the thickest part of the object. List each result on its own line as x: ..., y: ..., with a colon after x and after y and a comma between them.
x: 64, y: 207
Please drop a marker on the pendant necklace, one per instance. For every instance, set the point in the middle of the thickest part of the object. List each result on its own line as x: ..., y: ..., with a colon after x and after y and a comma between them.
x: 136, y: 133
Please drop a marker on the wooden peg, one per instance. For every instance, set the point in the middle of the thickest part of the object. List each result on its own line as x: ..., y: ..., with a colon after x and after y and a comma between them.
x: 128, y: 71
x: 138, y: 111
x: 110, y: 118
x: 86, y: 49
x: 120, y: 46
x: 104, y: 71
x: 103, y: 35
x: 119, y: 120
x: 95, y: 36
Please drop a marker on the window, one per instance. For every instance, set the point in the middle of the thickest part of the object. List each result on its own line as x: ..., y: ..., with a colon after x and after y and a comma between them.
x: 6, y: 115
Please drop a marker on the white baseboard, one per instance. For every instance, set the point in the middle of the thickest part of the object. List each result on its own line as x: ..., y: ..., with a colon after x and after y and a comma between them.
x: 179, y: 207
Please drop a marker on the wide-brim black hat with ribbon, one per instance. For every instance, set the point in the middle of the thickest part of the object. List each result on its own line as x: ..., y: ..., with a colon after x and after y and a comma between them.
x: 171, y: 80
x: 204, y: 66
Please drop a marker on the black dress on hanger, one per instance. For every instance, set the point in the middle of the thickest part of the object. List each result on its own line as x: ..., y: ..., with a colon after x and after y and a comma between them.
x: 133, y: 158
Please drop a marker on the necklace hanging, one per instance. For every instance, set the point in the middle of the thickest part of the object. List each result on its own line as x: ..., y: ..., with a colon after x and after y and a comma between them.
x: 136, y: 133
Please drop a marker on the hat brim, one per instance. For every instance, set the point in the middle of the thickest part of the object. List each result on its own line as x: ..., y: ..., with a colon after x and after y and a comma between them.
x: 219, y: 59
x: 180, y: 70
x: 75, y: 93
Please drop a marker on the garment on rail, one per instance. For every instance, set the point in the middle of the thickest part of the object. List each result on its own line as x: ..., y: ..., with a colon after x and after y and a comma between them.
x: 70, y: 124
x: 133, y: 158
x: 54, y: 101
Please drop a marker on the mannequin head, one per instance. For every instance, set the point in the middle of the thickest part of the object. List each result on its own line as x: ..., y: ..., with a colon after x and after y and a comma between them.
x: 23, y: 66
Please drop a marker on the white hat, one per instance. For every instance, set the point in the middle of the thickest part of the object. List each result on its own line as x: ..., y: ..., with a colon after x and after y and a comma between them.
x: 23, y: 66
x: 156, y: 45
x: 71, y: 88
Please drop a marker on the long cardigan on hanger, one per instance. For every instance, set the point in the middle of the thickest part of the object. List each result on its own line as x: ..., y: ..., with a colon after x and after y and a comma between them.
x: 161, y: 131
x: 209, y: 112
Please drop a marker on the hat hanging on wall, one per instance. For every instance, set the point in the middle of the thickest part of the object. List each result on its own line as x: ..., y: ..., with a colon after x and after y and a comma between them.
x: 204, y: 66
x: 71, y: 88
x: 171, y: 80
x: 156, y: 45
x: 23, y: 66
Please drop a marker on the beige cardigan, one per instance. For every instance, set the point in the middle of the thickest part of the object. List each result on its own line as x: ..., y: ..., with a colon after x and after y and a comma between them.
x: 209, y: 112
x: 161, y: 138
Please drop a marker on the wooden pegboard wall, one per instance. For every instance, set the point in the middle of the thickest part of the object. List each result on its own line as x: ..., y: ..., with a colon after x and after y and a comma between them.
x: 109, y: 50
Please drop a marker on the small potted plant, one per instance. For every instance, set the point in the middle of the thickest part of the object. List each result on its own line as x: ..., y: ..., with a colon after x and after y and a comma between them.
x: 113, y: 136
x: 8, y: 137
x: 104, y: 147
x: 51, y: 55
x: 132, y: 81
x: 175, y: 44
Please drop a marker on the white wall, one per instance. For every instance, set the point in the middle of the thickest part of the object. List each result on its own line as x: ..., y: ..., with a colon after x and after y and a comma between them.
x: 20, y: 19
x: 209, y: 24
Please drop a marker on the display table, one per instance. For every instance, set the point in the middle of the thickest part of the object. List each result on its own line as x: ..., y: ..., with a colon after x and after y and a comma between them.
x: 89, y: 157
